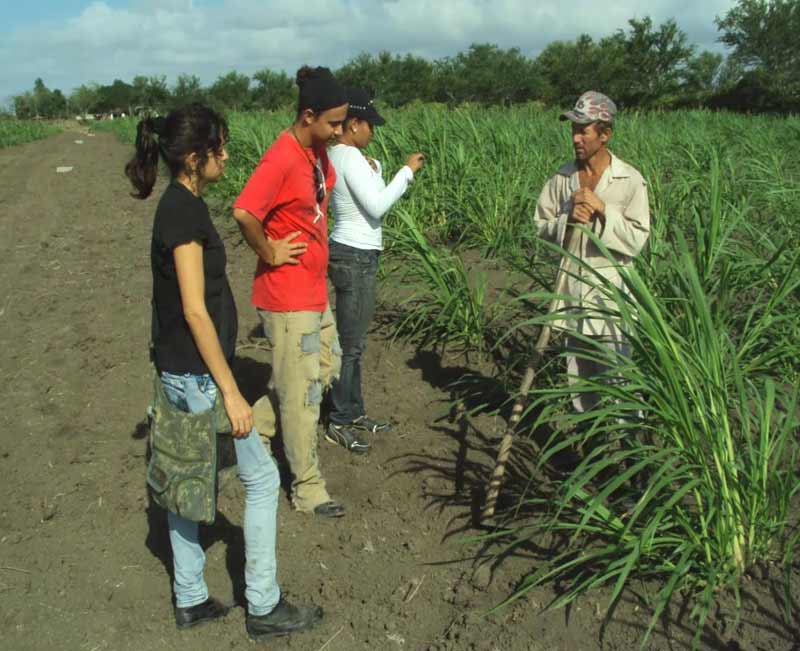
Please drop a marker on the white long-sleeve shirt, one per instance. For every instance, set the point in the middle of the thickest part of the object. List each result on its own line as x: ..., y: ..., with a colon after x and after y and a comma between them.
x: 360, y: 198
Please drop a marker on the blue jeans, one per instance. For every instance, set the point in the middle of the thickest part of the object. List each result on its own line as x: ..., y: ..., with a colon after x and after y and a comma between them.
x: 354, y: 274
x: 259, y: 474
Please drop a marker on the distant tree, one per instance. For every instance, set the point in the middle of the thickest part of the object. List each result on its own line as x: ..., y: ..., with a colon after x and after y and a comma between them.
x: 643, y: 66
x: 489, y: 74
x: 119, y: 95
x: 700, y: 78
x: 730, y: 72
x: 41, y: 96
x: 84, y: 99
x: 56, y: 106
x: 138, y: 97
x: 568, y: 68
x: 24, y: 105
x: 763, y: 36
x: 187, y: 89
x: 392, y: 79
x: 149, y: 94
x: 410, y: 78
x: 41, y: 102
x: 158, y: 91
x: 231, y: 91
x: 654, y: 63
x: 273, y: 90
x: 365, y: 71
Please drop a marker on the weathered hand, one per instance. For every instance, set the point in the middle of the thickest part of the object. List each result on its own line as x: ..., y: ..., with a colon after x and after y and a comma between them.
x: 586, y: 196
x: 582, y: 213
x: 285, y: 251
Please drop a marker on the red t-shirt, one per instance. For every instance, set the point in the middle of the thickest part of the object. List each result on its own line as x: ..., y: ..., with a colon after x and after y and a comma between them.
x: 281, y: 194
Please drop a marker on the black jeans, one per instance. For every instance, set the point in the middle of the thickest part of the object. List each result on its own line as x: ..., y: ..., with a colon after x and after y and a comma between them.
x: 354, y: 274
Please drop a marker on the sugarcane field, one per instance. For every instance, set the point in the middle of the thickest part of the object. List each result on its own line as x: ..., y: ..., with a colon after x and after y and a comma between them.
x: 488, y: 352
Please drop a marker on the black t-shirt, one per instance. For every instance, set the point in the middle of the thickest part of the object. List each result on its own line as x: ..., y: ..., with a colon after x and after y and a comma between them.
x: 182, y: 217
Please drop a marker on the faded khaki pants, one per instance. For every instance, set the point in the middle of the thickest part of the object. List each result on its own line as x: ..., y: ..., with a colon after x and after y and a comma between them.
x: 306, y: 358
x: 581, y: 368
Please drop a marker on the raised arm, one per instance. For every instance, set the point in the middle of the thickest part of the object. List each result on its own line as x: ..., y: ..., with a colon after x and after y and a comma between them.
x: 358, y: 177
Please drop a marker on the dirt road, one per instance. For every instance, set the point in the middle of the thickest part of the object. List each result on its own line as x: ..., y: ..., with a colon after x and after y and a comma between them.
x: 84, y: 561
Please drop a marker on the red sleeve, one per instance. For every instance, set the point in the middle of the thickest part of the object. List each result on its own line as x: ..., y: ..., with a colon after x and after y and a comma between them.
x: 260, y: 193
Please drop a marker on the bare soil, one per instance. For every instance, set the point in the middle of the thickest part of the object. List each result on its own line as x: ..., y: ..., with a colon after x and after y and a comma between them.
x: 84, y: 558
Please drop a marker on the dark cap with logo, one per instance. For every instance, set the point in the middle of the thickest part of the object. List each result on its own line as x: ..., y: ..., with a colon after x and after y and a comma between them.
x: 362, y: 107
x: 591, y: 107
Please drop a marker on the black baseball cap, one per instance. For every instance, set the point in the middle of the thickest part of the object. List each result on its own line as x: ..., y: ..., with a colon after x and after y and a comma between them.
x: 362, y: 107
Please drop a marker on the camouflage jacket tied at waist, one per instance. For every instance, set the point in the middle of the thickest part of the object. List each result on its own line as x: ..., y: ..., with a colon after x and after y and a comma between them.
x: 186, y: 454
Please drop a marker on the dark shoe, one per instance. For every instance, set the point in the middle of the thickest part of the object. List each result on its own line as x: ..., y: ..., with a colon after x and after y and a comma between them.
x: 207, y: 611
x: 367, y: 424
x: 329, y: 509
x: 284, y: 619
x: 347, y: 437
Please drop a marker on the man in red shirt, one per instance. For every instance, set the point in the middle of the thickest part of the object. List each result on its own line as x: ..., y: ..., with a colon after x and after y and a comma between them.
x: 282, y: 213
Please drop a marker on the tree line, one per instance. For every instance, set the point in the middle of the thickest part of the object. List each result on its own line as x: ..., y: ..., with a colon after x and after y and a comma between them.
x: 643, y: 66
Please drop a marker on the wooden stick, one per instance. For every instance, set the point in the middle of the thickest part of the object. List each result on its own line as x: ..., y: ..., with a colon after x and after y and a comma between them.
x: 14, y: 569
x: 516, y: 412
x: 508, y: 438
x: 415, y: 590
x: 333, y: 637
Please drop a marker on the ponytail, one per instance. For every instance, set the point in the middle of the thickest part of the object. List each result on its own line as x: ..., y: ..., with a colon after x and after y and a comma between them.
x: 142, y: 169
x: 193, y: 129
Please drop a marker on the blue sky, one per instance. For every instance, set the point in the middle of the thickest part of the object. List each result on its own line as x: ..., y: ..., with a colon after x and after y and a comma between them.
x: 70, y: 42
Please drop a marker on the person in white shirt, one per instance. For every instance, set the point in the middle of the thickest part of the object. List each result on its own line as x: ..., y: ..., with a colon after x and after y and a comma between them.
x: 359, y: 201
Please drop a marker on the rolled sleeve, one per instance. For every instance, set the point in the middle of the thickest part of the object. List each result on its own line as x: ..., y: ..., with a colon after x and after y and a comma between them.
x: 628, y: 227
x: 546, y: 216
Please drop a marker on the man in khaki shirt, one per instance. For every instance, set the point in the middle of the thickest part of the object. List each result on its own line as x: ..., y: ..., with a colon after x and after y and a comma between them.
x: 609, y: 197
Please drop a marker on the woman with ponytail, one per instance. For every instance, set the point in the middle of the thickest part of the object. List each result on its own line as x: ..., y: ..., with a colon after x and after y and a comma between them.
x: 282, y: 213
x: 194, y: 334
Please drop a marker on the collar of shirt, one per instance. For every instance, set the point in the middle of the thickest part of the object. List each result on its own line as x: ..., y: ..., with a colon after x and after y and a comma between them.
x: 619, y: 169
x: 309, y: 154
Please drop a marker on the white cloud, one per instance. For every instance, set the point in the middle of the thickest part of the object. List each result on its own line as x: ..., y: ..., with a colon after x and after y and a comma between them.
x: 175, y: 36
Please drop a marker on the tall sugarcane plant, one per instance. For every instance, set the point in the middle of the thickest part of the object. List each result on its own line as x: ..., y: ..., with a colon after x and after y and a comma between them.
x: 689, y: 464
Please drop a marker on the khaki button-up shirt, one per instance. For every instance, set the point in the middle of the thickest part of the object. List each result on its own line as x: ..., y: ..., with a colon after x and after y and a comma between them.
x: 627, y: 227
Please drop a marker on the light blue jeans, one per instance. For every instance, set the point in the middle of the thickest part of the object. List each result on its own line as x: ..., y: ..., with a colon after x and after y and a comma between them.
x: 259, y: 474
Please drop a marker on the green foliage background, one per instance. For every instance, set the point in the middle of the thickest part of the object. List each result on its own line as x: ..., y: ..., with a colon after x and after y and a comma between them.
x: 642, y: 66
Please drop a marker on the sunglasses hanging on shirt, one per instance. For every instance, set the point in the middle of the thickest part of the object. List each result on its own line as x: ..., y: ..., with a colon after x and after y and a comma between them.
x: 319, y: 182
x: 319, y: 177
